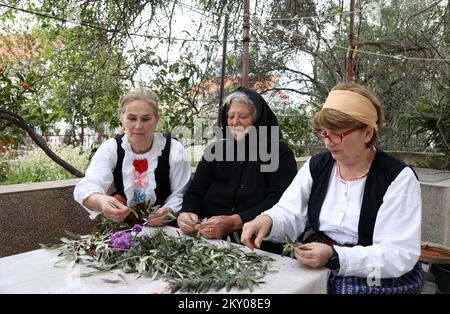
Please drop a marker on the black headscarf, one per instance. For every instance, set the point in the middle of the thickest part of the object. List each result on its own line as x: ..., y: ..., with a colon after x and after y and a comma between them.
x: 264, y: 115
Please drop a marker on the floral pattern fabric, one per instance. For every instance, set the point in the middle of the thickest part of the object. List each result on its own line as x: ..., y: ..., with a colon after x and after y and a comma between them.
x: 140, y: 173
x: 99, y: 175
x: 140, y: 179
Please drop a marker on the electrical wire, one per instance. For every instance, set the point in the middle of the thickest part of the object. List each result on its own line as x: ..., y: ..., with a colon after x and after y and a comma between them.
x: 214, y: 41
x: 337, y: 14
x: 195, y: 9
x: 106, y: 29
x: 399, y: 57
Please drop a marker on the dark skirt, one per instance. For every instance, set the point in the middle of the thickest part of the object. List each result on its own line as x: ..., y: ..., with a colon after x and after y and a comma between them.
x: 409, y: 283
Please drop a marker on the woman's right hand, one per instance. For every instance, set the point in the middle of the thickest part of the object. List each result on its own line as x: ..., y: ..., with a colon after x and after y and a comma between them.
x: 187, y: 222
x: 112, y: 208
x: 253, y: 232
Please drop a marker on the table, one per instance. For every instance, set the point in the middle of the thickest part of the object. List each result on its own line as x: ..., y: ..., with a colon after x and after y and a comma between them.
x: 34, y: 272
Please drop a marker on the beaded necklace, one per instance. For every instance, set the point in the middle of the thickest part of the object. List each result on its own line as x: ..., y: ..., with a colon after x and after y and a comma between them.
x: 363, y: 175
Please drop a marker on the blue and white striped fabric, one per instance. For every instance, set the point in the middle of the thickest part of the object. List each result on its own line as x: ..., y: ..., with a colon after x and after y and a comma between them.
x: 409, y: 283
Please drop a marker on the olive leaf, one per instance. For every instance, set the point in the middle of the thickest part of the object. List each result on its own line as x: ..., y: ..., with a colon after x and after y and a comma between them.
x: 288, y: 246
x: 188, y: 264
x: 236, y: 237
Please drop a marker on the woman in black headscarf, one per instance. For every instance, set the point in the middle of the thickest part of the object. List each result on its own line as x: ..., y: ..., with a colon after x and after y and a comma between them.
x: 250, y: 170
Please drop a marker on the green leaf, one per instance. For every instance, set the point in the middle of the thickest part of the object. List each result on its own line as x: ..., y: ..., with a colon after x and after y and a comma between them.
x: 236, y: 237
x: 173, y: 259
x: 93, y: 273
x: 112, y: 281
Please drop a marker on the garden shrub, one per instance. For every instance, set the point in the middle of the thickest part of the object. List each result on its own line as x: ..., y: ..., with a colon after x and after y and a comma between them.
x: 37, y: 166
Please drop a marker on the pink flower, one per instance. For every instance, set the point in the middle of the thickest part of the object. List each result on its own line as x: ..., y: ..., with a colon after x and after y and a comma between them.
x: 140, y: 179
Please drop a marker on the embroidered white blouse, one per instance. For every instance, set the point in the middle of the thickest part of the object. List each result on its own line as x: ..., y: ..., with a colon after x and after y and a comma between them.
x: 99, y: 174
x: 397, y: 233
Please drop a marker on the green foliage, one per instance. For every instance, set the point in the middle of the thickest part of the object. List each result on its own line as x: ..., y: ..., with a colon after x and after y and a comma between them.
x: 4, y: 168
x: 311, y: 54
x: 78, y: 71
x: 188, y: 264
x: 16, y: 90
x: 85, y: 67
x: 38, y: 167
x: 176, y: 86
x: 82, y: 86
x: 296, y: 129
x: 81, y: 69
x: 13, y: 91
x: 431, y: 117
x: 288, y: 246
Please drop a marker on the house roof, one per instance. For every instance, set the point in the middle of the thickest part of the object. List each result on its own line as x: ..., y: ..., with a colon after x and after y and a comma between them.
x: 23, y: 46
x: 211, y: 86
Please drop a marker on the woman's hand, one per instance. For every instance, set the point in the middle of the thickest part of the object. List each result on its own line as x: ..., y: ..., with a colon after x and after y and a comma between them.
x: 313, y: 254
x: 217, y: 227
x: 160, y: 217
x: 112, y: 208
x: 253, y: 232
x: 187, y: 222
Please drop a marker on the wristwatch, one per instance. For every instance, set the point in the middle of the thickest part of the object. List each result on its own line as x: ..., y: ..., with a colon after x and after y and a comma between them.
x: 333, y: 262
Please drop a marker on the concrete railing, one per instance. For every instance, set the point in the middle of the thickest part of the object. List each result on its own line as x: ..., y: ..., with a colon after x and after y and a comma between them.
x: 40, y: 212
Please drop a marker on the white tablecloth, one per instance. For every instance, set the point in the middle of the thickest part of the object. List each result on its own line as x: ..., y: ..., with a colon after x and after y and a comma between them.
x: 34, y: 272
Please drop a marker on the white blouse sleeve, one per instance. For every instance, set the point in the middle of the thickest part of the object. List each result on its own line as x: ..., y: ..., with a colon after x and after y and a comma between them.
x: 289, y: 215
x: 396, y: 237
x: 180, y: 175
x: 99, y: 176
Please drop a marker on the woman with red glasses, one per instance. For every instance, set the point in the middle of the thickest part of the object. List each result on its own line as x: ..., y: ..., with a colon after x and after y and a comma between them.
x: 361, y: 207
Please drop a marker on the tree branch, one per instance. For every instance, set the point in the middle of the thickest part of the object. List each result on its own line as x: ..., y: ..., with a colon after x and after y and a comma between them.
x: 39, y: 140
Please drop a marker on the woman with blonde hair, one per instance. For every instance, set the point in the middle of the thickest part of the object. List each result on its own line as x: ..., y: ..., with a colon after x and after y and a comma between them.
x: 147, y: 168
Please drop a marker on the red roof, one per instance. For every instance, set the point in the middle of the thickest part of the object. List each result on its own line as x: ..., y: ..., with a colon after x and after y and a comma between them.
x: 212, y: 85
x: 17, y: 47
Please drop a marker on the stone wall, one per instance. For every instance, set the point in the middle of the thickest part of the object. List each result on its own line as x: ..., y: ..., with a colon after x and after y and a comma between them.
x: 436, y: 213
x: 38, y: 213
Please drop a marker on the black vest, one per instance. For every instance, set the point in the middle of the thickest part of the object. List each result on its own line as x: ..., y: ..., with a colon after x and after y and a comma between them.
x: 162, y: 179
x: 382, y: 172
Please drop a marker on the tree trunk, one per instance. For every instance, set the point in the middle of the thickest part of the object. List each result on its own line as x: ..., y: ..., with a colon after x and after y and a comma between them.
x: 39, y: 140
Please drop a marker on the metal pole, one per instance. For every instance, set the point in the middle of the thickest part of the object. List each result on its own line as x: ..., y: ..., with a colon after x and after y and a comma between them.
x: 245, y: 41
x: 224, y: 61
x: 350, y: 65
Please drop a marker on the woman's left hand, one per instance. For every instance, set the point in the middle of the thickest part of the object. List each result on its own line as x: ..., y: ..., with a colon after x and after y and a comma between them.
x: 217, y: 227
x: 313, y: 254
x: 160, y: 218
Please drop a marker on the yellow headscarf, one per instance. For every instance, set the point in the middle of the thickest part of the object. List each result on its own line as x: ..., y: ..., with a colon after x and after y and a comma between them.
x: 355, y: 105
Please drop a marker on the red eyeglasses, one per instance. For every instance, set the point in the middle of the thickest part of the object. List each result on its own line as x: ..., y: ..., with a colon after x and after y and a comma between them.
x: 334, y: 138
